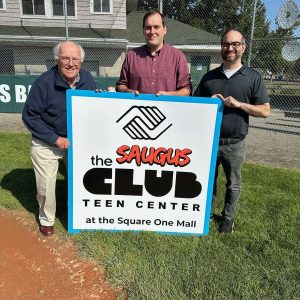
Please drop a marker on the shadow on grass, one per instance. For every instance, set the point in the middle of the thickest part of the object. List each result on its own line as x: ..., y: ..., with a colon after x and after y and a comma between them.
x: 21, y: 183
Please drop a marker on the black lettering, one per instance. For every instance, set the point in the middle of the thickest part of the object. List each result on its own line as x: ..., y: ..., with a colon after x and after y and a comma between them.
x: 94, y: 181
x: 196, y: 207
x: 139, y: 204
x: 86, y: 201
x: 158, y: 186
x: 97, y: 203
x: 100, y: 161
x: 124, y: 183
x: 186, y: 185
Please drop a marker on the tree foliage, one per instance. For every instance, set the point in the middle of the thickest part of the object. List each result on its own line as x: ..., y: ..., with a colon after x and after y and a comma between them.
x: 213, y: 16
x: 216, y: 17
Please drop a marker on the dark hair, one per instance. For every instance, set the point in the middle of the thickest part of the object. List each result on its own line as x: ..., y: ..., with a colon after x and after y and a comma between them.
x: 233, y: 29
x: 151, y: 13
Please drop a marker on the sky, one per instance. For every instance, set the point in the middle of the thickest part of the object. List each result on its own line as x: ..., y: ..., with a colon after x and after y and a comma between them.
x: 273, y: 8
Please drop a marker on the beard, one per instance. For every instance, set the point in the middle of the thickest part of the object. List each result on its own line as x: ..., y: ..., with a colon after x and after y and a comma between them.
x: 230, y: 55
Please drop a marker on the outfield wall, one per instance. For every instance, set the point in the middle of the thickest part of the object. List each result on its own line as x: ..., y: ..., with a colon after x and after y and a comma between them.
x: 15, y: 88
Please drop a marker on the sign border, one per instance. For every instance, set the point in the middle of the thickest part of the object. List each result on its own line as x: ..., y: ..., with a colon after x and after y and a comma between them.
x: 147, y: 97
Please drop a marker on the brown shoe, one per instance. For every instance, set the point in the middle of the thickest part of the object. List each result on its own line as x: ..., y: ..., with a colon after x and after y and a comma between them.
x: 46, y: 230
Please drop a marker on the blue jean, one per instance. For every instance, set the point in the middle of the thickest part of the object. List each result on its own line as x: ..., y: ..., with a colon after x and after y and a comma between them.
x: 231, y: 157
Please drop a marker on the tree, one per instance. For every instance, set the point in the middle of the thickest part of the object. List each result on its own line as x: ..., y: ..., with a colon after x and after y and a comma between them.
x: 147, y: 5
x: 214, y: 16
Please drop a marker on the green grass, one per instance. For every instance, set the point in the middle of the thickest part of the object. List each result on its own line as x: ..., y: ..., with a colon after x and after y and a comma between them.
x: 260, y: 260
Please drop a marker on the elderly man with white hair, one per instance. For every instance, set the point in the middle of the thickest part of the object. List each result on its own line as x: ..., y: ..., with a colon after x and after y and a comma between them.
x: 44, y: 115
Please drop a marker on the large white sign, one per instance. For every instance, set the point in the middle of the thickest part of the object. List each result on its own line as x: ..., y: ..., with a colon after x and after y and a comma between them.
x: 141, y: 162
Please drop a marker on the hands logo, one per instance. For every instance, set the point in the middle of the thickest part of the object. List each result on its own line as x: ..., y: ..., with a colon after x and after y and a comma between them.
x: 144, y: 122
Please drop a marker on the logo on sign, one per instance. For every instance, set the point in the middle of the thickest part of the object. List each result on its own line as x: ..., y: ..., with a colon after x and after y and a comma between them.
x: 144, y: 122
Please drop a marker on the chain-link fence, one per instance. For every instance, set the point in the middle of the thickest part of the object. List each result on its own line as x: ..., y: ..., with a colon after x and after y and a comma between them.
x: 272, y: 33
x: 271, y: 29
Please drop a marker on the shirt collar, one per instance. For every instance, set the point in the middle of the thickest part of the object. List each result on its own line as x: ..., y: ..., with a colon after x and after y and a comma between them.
x: 242, y: 70
x: 157, y: 52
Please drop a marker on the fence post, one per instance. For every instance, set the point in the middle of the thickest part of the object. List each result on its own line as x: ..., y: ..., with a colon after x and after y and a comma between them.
x: 66, y: 19
x: 252, y: 33
x: 160, y: 6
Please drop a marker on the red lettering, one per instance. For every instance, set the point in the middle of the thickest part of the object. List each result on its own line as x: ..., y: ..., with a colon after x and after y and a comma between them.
x: 122, y: 152
x: 184, y: 156
x: 175, y: 159
x: 160, y: 156
x: 148, y: 158
x: 135, y: 153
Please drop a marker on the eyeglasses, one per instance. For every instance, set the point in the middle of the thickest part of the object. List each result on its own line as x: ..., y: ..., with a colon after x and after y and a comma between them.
x: 233, y: 44
x: 75, y: 60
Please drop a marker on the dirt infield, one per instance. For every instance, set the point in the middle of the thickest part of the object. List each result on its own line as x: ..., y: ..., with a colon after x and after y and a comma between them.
x: 34, y: 267
x: 11, y: 123
x: 275, y: 140
x: 273, y: 148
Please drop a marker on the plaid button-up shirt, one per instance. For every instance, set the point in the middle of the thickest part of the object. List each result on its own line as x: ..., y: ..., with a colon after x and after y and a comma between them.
x: 166, y: 71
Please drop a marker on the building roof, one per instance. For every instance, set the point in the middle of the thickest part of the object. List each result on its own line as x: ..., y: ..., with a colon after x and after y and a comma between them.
x: 180, y: 35
x: 31, y: 31
x: 34, y: 33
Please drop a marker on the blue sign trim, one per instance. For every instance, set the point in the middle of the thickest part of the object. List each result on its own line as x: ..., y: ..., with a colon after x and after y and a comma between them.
x: 149, y: 97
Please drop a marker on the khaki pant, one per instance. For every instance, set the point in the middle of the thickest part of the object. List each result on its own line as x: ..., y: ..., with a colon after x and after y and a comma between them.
x: 45, y: 163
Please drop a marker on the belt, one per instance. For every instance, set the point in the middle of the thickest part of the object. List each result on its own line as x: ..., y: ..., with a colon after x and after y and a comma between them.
x: 228, y: 141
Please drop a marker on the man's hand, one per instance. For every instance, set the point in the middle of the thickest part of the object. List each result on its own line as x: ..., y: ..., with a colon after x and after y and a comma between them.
x: 163, y: 93
x: 228, y: 101
x: 136, y: 92
x: 124, y: 89
x: 259, y: 110
x: 62, y: 143
x: 232, y: 102
x: 218, y: 96
x: 180, y: 92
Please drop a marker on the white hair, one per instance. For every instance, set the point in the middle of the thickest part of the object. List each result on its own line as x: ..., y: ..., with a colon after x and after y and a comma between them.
x: 57, y: 47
